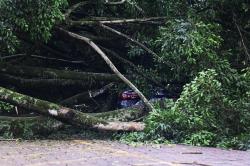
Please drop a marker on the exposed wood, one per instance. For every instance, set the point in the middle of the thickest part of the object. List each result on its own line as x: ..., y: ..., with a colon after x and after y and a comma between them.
x: 15, y: 140
x: 115, y: 2
x: 150, y: 20
x: 121, y: 126
x: 67, y: 115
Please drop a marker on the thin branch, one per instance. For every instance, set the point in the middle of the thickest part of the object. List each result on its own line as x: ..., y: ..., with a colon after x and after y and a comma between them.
x: 110, y: 64
x: 242, y: 39
x: 42, y: 57
x: 85, y: 96
x: 59, y: 60
x: 129, y: 38
x: 131, y: 64
x: 73, y: 8
x: 150, y: 20
x: 115, y: 2
x: 98, y: 92
x: 137, y: 7
x: 135, y: 42
x: 11, y: 56
x: 122, y: 2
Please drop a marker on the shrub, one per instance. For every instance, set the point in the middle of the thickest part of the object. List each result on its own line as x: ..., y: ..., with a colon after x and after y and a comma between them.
x: 213, y: 110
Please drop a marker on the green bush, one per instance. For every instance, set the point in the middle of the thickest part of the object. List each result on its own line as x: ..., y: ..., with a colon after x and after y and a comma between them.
x: 166, y: 123
x: 213, y: 110
x: 201, y: 138
x: 5, y: 107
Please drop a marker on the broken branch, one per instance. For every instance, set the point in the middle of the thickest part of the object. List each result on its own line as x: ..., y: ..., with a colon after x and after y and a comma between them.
x: 110, y: 64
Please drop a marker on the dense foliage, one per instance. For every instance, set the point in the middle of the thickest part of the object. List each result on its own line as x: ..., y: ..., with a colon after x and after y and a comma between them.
x: 209, y: 112
x: 204, y: 45
x: 201, y: 57
x: 27, y: 17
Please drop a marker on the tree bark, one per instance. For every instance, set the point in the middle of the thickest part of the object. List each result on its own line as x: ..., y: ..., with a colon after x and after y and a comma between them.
x: 110, y: 64
x: 123, y: 115
x: 48, y: 73
x: 38, y: 83
x: 101, y: 121
x: 46, y: 108
x: 151, y: 20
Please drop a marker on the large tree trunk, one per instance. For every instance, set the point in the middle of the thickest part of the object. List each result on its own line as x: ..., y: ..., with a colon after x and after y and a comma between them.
x: 35, y: 72
x: 24, y: 83
x: 49, y: 109
x: 123, y: 115
x: 66, y: 115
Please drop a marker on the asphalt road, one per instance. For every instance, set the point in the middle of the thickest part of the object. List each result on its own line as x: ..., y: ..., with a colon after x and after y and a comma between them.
x: 107, y: 153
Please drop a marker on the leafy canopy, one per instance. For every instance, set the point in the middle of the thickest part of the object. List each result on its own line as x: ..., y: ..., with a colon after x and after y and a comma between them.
x: 34, y: 18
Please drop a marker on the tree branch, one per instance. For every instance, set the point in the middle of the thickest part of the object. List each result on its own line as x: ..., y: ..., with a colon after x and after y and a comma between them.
x: 63, y: 114
x: 133, y: 41
x: 110, y: 64
x: 115, y: 2
x: 242, y: 39
x: 149, y: 20
x: 43, y: 58
x: 37, y: 72
x: 73, y: 8
x: 136, y: 69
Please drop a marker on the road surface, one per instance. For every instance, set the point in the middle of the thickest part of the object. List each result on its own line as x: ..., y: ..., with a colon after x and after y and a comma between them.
x: 108, y: 153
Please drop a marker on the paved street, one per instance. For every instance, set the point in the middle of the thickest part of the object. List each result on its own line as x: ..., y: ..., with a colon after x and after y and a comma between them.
x: 107, y: 153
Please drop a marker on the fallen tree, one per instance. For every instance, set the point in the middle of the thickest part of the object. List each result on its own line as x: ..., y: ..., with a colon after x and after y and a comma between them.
x: 70, y: 116
x: 39, y: 72
x: 84, y: 28
x: 108, y: 62
x: 43, y: 83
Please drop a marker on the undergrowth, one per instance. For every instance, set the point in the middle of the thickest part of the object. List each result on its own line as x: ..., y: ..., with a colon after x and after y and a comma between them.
x: 212, y: 111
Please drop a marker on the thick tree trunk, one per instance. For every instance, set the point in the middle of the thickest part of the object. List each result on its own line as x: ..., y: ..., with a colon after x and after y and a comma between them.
x: 55, y: 111
x: 123, y: 115
x: 99, y: 121
x: 38, y: 83
x: 35, y: 72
